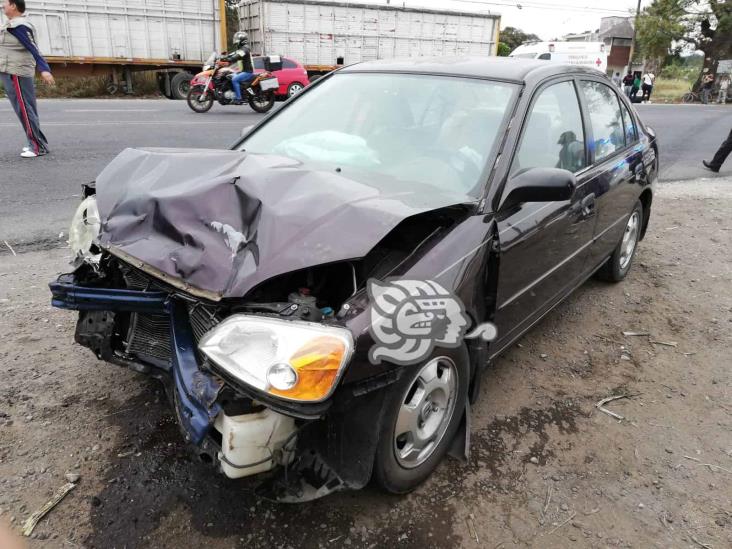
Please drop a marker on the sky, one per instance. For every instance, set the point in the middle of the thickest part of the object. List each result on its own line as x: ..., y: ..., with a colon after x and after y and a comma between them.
x: 548, y: 19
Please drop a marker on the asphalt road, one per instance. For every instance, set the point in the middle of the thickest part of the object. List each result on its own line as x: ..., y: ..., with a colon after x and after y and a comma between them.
x: 37, y: 197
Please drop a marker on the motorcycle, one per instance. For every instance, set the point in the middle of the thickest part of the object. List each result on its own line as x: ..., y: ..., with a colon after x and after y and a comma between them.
x: 214, y: 83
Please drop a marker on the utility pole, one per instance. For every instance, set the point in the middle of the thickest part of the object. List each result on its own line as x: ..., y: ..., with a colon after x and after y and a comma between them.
x: 635, y: 32
x: 222, y: 30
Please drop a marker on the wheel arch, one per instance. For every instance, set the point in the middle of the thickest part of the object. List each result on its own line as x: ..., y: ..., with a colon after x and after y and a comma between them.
x: 646, y: 199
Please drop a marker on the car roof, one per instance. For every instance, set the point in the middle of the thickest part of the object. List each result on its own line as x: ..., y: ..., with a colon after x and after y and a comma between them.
x: 495, y: 68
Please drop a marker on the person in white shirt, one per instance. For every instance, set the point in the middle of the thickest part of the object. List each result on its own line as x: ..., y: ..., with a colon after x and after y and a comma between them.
x: 617, y: 80
x: 723, y: 87
x: 647, y: 87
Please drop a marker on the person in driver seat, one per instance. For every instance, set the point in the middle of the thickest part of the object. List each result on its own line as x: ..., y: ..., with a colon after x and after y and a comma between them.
x: 571, y: 155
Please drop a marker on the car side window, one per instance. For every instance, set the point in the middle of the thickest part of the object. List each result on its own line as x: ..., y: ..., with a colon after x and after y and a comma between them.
x: 553, y: 136
x: 259, y: 63
x: 631, y: 133
x: 607, y: 122
x: 288, y: 64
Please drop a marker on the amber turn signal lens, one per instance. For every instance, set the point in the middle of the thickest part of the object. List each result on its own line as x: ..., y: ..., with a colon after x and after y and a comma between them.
x: 317, y: 364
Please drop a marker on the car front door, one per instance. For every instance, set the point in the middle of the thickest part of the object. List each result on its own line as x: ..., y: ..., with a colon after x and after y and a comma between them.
x: 617, y: 164
x: 544, y: 245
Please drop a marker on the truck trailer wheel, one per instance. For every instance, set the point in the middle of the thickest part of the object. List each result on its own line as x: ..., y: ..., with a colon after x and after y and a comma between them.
x: 180, y: 85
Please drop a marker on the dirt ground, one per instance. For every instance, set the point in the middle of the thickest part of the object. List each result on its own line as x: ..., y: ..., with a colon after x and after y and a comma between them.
x: 547, y: 469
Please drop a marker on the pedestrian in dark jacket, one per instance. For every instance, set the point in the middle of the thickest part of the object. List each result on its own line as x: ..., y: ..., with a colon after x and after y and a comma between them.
x: 707, y: 87
x: 19, y: 58
x: 628, y: 83
x: 721, y: 155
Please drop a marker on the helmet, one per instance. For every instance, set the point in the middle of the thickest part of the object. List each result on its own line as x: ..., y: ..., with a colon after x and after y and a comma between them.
x: 241, y: 38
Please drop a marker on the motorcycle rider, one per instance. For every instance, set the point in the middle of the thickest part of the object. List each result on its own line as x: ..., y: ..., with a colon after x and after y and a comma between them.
x: 243, y: 58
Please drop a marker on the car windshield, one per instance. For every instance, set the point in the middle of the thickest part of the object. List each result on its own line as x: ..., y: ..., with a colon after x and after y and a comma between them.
x: 388, y: 129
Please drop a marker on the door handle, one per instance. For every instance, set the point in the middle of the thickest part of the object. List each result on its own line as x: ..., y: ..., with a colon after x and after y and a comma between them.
x: 588, y: 206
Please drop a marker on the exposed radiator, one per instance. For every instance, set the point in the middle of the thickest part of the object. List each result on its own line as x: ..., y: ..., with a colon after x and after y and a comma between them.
x: 149, y: 336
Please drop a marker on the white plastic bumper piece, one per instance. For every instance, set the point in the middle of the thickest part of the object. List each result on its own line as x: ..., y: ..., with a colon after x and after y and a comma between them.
x: 250, y: 442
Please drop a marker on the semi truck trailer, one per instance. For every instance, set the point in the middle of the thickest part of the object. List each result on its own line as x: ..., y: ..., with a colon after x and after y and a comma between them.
x: 117, y: 37
x: 174, y: 37
x: 326, y: 35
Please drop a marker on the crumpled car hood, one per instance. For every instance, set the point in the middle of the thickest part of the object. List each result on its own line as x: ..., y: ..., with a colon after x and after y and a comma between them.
x: 223, y: 221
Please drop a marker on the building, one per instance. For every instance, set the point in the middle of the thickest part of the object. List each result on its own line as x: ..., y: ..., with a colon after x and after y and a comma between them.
x: 617, y: 34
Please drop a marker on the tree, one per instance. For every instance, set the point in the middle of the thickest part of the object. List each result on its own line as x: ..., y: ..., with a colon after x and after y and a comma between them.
x: 503, y: 49
x: 668, y: 26
x: 513, y: 38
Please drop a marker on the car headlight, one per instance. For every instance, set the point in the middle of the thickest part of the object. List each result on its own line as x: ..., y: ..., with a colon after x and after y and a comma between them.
x: 289, y: 359
x: 85, y: 226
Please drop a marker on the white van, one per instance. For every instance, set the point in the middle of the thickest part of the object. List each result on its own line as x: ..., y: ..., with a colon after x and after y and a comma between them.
x: 587, y: 54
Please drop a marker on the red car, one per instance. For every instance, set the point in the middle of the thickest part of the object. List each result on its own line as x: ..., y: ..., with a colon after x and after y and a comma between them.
x: 292, y: 77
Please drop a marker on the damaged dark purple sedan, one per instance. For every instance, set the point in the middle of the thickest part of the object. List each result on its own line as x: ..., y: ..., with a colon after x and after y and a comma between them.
x: 322, y: 300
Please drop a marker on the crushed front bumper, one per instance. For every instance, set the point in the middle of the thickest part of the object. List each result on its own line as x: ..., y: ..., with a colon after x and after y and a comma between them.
x: 329, y: 447
x: 195, y: 391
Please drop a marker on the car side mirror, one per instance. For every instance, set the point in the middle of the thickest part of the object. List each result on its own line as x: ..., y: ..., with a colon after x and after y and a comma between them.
x: 538, y: 185
x: 246, y: 129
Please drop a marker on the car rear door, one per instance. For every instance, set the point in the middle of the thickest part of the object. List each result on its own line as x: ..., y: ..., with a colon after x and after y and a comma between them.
x: 544, y: 245
x: 616, y: 158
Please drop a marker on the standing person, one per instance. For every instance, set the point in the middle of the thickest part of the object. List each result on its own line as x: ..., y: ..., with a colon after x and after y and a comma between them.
x: 648, y: 79
x: 721, y: 155
x: 617, y: 80
x: 723, y: 87
x: 707, y: 85
x: 628, y: 83
x: 19, y: 57
x: 636, y: 87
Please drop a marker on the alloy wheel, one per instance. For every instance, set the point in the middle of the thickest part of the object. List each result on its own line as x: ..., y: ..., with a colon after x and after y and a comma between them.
x: 630, y: 240
x: 425, y: 413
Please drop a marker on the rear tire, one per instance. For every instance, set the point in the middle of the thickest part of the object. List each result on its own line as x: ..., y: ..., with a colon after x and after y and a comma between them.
x: 618, y: 265
x: 400, y: 466
x: 688, y: 97
x: 262, y: 104
x: 294, y: 89
x: 180, y: 85
x: 194, y: 95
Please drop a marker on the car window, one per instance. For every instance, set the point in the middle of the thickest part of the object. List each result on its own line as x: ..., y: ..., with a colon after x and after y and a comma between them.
x: 605, y: 117
x: 631, y: 132
x: 259, y: 63
x: 288, y: 64
x: 421, y: 132
x: 553, y: 136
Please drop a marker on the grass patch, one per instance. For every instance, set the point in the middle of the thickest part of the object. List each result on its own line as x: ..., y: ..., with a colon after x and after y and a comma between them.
x: 144, y: 84
x: 670, y: 90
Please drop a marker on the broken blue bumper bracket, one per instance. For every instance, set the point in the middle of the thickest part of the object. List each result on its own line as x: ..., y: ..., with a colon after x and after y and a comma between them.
x: 195, y: 391
x: 68, y: 295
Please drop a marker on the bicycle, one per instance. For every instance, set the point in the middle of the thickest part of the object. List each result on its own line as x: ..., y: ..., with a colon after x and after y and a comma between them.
x: 691, y: 96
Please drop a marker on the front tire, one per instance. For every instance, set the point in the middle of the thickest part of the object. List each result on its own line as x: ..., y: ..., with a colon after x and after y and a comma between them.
x: 195, y: 102
x: 423, y: 411
x: 262, y: 103
x: 688, y: 97
x: 618, y: 265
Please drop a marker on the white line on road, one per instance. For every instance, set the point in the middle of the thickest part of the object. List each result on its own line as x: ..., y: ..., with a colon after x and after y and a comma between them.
x: 111, y: 110
x: 131, y: 123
